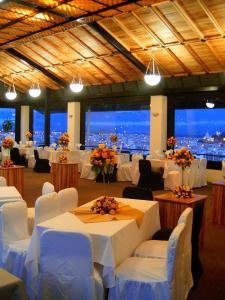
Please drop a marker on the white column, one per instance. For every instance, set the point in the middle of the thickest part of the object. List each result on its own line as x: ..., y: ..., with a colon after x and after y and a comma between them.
x: 73, y: 121
x: 24, y: 122
x: 158, y: 126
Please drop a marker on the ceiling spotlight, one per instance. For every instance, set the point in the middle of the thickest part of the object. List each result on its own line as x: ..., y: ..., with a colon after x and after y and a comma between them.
x: 152, y: 76
x: 76, y: 87
x: 35, y: 91
x: 210, y: 104
x: 11, y: 93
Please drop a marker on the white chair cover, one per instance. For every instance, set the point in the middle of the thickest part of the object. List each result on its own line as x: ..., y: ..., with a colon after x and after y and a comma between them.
x: 86, y: 167
x: 151, y: 278
x: 172, y: 175
x: 47, y: 188
x: 46, y: 207
x: 14, y: 237
x: 193, y: 174
x: 158, y: 249
x: 202, y: 181
x: 135, y: 174
x: 3, y: 181
x: 68, y: 199
x: 75, y: 156
x: 66, y: 267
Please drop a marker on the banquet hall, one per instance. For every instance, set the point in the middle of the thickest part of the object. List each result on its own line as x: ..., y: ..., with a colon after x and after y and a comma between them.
x: 112, y: 149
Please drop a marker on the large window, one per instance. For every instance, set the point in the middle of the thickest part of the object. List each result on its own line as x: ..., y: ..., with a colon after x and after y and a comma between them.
x: 38, y: 127
x: 132, y: 128
x: 202, y: 131
x: 58, y: 125
x: 7, y: 122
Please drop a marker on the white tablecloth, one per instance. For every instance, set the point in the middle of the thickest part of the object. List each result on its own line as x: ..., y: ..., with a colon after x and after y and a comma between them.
x: 112, y: 241
x: 9, y: 194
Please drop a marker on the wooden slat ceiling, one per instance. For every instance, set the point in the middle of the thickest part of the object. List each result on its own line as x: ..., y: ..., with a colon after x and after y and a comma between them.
x: 59, y: 37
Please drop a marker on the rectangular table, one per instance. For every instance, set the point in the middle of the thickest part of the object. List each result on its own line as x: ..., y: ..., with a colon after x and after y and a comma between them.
x: 9, y: 194
x: 14, y: 176
x: 64, y: 175
x: 113, y: 241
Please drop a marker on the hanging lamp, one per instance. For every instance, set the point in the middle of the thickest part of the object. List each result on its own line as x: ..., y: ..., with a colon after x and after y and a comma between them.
x: 76, y: 86
x: 35, y: 90
x: 11, y: 92
x: 209, y: 104
x: 152, y: 76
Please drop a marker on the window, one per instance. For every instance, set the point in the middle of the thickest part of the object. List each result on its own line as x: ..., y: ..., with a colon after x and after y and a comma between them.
x: 38, y: 127
x: 58, y: 125
x: 132, y: 128
x: 202, y: 131
x: 7, y: 122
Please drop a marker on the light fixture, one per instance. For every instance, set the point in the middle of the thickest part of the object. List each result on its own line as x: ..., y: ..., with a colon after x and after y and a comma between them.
x: 210, y: 104
x: 11, y: 92
x: 35, y: 91
x: 76, y: 86
x: 152, y: 76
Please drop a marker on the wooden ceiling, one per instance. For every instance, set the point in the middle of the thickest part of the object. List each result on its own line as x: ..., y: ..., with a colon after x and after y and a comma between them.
x: 108, y: 41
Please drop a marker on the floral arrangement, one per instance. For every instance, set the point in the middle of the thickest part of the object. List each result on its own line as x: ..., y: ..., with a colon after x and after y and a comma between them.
x: 7, y: 163
x: 114, y: 138
x: 183, y: 191
x: 64, y: 140
x: 171, y: 141
x: 103, y: 160
x: 105, y: 205
x: 62, y: 158
x: 8, y: 143
x: 183, y: 158
x: 28, y: 135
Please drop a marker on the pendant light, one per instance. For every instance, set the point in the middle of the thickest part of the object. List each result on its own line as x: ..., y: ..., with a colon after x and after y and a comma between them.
x: 210, y: 104
x: 76, y: 86
x: 35, y: 90
x: 11, y: 92
x: 152, y: 76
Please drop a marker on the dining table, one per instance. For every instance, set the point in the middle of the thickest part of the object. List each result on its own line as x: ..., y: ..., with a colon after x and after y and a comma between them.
x: 9, y: 194
x: 113, y: 241
x: 14, y: 176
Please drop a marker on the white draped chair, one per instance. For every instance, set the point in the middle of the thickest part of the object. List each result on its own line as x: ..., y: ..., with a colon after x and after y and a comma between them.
x: 14, y: 237
x: 86, y: 167
x: 47, y: 187
x: 3, y: 181
x: 152, y: 278
x: 172, y: 175
x: 68, y: 199
x: 193, y: 174
x: 75, y: 156
x: 158, y: 249
x: 66, y: 267
x: 135, y: 174
x: 129, y: 171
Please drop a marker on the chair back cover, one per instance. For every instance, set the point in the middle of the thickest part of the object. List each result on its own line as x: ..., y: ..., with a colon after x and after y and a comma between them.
x: 68, y: 199
x: 14, y: 221
x: 137, y: 193
x: 46, y: 207
x: 47, y: 188
x: 66, y: 266
x: 3, y: 181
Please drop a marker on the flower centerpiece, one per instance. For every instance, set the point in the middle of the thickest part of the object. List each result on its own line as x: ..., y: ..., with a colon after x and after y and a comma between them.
x: 62, y: 158
x: 64, y: 140
x: 105, y: 205
x: 183, y: 192
x: 7, y: 163
x: 103, y: 160
x: 171, y: 142
x: 28, y: 135
x: 7, y: 143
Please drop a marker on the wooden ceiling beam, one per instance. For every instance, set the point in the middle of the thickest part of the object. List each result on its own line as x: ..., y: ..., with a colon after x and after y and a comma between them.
x: 180, y: 63
x: 120, y: 74
x: 19, y: 55
x: 182, y: 12
x: 110, y: 39
x: 103, y: 72
x: 220, y: 61
x: 197, y: 58
x: 71, y: 19
x: 211, y: 17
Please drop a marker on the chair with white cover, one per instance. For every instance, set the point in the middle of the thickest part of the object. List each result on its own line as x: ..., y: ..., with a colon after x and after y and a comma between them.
x: 3, y: 181
x: 46, y: 188
x: 202, y: 181
x: 152, y: 278
x: 86, y: 167
x: 193, y: 174
x: 172, y: 175
x: 68, y: 199
x: 66, y: 267
x: 158, y: 249
x: 135, y: 174
x: 14, y: 237
x: 46, y: 207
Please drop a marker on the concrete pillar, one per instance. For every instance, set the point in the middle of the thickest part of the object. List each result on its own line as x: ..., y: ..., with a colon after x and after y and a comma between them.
x: 158, y: 126
x: 24, y: 122
x: 73, y: 115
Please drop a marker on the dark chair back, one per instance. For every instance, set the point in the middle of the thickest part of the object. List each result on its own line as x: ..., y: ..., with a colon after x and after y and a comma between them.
x: 145, y: 170
x: 17, y: 158
x: 36, y: 155
x: 137, y: 193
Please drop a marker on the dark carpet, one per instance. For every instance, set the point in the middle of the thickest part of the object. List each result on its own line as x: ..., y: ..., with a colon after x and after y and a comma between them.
x: 212, y: 283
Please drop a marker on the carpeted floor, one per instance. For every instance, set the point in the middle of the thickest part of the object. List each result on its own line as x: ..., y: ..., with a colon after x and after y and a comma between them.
x: 212, y: 283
